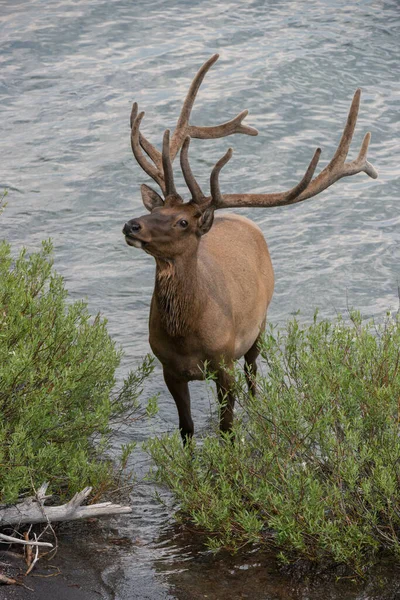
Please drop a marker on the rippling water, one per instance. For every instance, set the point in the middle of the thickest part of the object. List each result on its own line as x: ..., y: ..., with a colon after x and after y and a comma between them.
x: 70, y: 70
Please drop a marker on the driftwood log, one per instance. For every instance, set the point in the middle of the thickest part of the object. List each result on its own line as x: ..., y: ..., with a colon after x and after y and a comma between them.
x: 33, y: 510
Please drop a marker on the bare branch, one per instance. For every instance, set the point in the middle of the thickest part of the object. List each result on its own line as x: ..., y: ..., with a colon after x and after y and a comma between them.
x: 14, y: 540
x: 34, y: 561
x: 8, y: 580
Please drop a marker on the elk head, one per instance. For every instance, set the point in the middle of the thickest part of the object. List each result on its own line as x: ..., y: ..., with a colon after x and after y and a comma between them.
x: 173, y: 226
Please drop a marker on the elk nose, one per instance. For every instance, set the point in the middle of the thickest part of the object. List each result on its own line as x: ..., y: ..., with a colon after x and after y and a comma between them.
x: 131, y: 227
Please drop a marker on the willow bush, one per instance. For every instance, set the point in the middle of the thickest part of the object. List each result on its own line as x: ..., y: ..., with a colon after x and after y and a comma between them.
x: 57, y: 376
x: 314, y: 470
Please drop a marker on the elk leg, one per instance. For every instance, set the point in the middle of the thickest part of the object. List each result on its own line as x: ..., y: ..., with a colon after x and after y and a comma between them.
x: 250, y: 365
x: 180, y: 392
x: 226, y: 399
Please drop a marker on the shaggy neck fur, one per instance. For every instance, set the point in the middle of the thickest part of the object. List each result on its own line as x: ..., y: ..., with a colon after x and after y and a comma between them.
x: 176, y: 294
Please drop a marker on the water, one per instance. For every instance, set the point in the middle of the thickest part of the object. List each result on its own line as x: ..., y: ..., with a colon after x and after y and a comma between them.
x: 69, y: 73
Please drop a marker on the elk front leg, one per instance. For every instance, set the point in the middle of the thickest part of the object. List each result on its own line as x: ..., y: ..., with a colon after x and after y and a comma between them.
x: 225, y: 384
x: 180, y: 393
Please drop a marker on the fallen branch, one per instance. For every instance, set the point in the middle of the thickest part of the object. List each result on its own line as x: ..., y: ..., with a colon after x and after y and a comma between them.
x: 7, y: 580
x: 4, y: 579
x: 28, y: 549
x: 9, y: 539
x: 32, y: 510
x: 34, y: 561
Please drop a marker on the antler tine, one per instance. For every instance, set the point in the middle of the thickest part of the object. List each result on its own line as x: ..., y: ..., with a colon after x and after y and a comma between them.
x: 343, y: 148
x: 167, y: 166
x: 134, y: 113
x: 150, y: 150
x: 216, y: 197
x: 338, y: 168
x: 147, y: 167
x: 191, y: 182
x: 192, y: 93
x: 308, y: 175
x: 217, y: 131
x: 280, y: 199
x: 335, y: 170
x: 183, y: 120
x: 361, y: 159
x: 183, y: 128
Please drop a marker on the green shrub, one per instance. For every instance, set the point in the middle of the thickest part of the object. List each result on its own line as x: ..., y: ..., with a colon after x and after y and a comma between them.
x: 57, y: 368
x: 315, y: 467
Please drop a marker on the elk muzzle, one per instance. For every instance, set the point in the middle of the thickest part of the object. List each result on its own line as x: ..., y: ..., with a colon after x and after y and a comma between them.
x: 130, y: 231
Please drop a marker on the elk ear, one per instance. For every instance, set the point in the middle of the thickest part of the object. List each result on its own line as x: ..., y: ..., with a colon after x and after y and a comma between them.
x: 150, y: 197
x: 206, y: 220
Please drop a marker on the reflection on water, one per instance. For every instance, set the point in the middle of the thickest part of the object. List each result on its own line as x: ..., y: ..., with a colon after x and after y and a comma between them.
x: 70, y: 70
x: 193, y: 574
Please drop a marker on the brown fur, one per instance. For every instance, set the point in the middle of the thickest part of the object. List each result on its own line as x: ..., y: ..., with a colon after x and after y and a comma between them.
x: 173, y: 300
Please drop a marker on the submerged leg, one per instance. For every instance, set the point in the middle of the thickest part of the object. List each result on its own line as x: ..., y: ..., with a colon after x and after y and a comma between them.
x: 180, y: 393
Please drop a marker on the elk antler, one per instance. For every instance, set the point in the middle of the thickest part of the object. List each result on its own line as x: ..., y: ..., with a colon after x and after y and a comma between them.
x: 214, y: 178
x: 182, y: 130
x: 155, y: 171
x: 152, y: 152
x: 194, y: 188
x: 170, y: 190
x: 308, y: 187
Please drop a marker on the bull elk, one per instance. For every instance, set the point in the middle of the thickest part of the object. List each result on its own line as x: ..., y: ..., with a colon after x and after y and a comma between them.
x: 214, y: 278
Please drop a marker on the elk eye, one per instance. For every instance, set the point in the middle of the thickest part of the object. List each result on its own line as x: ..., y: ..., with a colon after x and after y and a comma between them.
x: 183, y: 223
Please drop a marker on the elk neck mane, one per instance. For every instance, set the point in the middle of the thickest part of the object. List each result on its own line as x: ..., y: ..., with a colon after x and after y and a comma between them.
x: 174, y: 294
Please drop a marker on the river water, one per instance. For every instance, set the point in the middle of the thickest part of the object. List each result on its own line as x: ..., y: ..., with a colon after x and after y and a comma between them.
x: 70, y: 70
